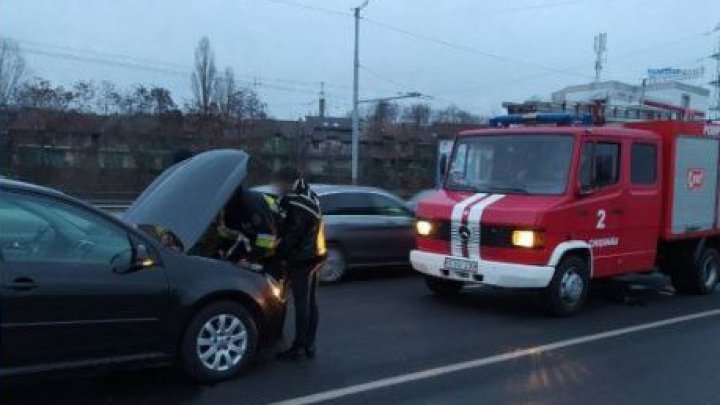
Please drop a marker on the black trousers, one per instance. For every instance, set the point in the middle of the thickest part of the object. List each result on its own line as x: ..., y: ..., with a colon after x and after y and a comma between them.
x: 304, y: 283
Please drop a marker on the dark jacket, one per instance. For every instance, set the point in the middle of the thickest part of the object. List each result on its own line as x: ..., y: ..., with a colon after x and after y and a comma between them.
x: 300, y: 234
x: 252, y: 214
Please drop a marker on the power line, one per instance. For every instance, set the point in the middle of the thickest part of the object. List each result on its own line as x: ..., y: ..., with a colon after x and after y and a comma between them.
x: 443, y: 42
x: 125, y: 61
x: 312, y: 8
x: 624, y: 55
x: 471, y: 50
x: 385, y: 78
x: 530, y: 8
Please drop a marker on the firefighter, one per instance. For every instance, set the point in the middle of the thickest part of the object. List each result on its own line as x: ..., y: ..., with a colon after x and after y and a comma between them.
x: 248, y: 228
x: 301, y: 249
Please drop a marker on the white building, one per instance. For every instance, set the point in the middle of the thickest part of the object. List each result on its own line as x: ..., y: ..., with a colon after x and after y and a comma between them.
x: 671, y: 95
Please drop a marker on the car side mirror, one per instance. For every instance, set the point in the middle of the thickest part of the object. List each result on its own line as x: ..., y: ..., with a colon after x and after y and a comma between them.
x: 142, y: 258
x: 130, y: 260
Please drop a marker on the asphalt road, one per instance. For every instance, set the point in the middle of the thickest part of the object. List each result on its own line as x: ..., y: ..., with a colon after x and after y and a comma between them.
x: 386, y: 325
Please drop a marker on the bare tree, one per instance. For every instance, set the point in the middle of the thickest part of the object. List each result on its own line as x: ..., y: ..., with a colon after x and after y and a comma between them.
x: 204, y: 77
x: 12, y: 69
x: 250, y: 106
x: 84, y: 94
x: 418, y: 114
x: 455, y: 115
x: 108, y: 99
x: 40, y: 93
x: 162, y: 101
x: 226, y: 94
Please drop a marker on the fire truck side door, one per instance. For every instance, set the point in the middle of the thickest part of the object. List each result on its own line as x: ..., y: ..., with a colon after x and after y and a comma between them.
x: 599, y: 211
x: 641, y: 222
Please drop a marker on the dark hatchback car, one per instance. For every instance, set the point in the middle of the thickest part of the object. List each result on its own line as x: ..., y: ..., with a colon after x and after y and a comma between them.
x: 364, y: 227
x: 83, y: 288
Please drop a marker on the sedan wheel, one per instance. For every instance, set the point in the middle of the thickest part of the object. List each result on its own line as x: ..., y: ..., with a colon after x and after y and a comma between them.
x: 334, y: 268
x: 219, y: 342
x: 222, y: 342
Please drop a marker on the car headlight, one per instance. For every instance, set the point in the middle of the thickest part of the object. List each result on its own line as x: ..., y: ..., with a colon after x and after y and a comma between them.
x: 528, y: 239
x: 423, y: 227
x: 275, y: 286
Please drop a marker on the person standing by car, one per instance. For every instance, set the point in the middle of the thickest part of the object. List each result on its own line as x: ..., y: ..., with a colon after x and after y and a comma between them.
x: 301, y: 248
x: 249, y: 228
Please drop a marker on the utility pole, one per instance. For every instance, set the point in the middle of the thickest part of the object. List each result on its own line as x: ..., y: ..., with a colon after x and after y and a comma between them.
x: 356, y: 85
x: 715, y: 104
x: 600, y: 47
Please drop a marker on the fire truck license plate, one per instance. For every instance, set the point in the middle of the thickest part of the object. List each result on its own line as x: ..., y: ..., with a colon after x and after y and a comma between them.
x: 461, y: 265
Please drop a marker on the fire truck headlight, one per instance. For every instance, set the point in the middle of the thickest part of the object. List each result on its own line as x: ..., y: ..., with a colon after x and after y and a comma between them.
x: 528, y: 239
x: 423, y: 227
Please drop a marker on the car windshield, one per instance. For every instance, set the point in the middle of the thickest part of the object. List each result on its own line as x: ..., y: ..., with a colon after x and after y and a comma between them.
x: 511, y: 164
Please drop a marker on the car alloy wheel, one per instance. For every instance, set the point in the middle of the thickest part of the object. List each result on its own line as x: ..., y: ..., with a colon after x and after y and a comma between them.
x: 334, y: 268
x: 222, y: 342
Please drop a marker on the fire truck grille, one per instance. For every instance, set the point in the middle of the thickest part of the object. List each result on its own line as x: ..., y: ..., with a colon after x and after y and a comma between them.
x: 490, y: 235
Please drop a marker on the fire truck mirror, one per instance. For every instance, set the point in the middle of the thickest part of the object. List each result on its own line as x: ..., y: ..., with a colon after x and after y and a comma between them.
x: 443, y: 165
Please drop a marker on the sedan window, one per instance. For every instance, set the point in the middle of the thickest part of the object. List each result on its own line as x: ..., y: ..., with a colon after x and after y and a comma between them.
x: 346, y: 204
x: 386, y: 206
x: 36, y: 229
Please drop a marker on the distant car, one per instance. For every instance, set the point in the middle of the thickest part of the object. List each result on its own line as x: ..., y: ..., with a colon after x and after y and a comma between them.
x: 413, y: 202
x: 81, y: 287
x: 364, y: 227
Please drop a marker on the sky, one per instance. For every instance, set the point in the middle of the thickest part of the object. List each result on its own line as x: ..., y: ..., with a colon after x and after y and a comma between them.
x: 471, y: 53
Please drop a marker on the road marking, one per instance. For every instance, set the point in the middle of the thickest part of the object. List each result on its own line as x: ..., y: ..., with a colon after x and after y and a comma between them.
x: 486, y: 361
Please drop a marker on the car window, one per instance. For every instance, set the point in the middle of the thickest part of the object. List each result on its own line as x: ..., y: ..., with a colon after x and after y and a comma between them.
x: 600, y: 164
x: 383, y: 205
x: 643, y: 167
x: 38, y: 229
x: 346, y: 204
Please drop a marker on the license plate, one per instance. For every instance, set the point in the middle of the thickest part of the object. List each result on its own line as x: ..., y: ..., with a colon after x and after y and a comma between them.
x: 461, y: 265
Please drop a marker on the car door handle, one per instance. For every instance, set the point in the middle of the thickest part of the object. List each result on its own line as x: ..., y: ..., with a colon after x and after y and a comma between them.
x: 22, y: 284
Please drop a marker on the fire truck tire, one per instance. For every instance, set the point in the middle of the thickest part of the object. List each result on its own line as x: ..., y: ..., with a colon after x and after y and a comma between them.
x: 445, y: 288
x: 569, y: 287
x: 701, y: 277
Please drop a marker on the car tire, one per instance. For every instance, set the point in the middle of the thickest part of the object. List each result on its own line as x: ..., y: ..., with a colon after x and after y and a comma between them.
x: 569, y: 287
x: 219, y: 342
x: 699, y: 277
x: 442, y: 287
x: 335, y: 266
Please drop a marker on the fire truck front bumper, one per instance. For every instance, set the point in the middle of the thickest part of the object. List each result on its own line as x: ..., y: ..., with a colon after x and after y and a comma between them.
x: 478, y: 271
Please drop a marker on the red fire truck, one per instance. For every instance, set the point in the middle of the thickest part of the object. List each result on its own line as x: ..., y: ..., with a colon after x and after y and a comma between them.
x: 555, y: 205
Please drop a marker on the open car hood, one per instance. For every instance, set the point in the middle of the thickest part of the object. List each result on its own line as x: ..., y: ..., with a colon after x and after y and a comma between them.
x: 187, y: 197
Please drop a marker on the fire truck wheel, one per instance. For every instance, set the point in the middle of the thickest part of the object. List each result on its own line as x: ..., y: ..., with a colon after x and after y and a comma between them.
x: 701, y: 277
x: 569, y: 286
x: 334, y: 268
x: 443, y: 287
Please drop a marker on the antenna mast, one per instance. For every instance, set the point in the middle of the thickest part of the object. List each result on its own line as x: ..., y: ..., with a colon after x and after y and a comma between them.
x: 600, y: 47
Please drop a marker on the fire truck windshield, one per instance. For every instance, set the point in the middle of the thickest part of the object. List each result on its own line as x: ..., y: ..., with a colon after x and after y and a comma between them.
x: 511, y: 164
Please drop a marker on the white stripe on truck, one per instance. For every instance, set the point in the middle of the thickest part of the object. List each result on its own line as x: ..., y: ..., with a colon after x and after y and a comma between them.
x: 473, y: 223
